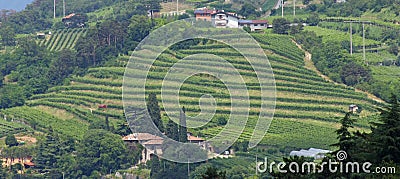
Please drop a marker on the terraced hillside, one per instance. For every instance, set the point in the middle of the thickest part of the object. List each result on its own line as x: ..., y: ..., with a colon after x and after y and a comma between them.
x: 307, y: 111
x: 63, y: 39
x: 11, y: 127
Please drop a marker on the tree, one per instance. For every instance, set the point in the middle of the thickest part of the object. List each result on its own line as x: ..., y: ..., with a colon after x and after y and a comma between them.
x: 353, y: 73
x: 213, y: 173
x: 172, y: 130
x: 182, y: 126
x: 101, y: 151
x: 7, y: 34
x: 11, y: 95
x: 248, y: 10
x: 280, y: 26
x: 62, y: 66
x: 313, y: 19
x: 48, y: 151
x: 345, y: 138
x: 394, y: 49
x: 295, y: 29
x: 386, y: 135
x: 139, y: 27
x: 155, y: 166
x: 154, y: 111
x: 11, y: 140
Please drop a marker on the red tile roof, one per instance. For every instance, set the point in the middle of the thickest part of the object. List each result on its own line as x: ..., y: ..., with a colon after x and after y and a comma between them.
x: 193, y: 138
x: 29, y: 163
x: 69, y: 16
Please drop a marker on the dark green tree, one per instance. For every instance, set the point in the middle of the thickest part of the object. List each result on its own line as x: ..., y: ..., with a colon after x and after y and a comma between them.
x: 172, y: 130
x: 386, y: 135
x: 48, y: 151
x: 346, y: 142
x: 213, y: 173
x: 155, y: 167
x: 62, y: 67
x: 139, y: 27
x: 11, y: 95
x: 11, y: 140
x: 182, y: 126
x: 7, y: 35
x: 313, y: 19
x: 249, y: 11
x: 154, y: 111
x: 281, y: 26
x: 101, y: 151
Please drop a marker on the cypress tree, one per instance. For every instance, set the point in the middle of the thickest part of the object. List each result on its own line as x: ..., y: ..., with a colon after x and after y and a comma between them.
x: 182, y: 126
x: 386, y: 135
x: 172, y: 130
x: 154, y: 111
x: 155, y: 168
x: 344, y: 135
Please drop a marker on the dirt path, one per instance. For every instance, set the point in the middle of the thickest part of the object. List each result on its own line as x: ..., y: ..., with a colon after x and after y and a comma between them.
x: 309, y: 64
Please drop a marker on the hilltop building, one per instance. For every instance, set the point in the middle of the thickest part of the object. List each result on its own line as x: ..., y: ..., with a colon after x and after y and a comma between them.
x: 223, y: 19
x: 353, y: 108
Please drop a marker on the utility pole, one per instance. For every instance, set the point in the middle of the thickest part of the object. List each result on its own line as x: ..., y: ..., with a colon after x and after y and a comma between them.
x: 294, y: 8
x: 351, y: 38
x: 64, y: 8
x: 282, y: 3
x: 177, y: 7
x: 363, y: 36
x: 54, y: 9
x: 363, y: 28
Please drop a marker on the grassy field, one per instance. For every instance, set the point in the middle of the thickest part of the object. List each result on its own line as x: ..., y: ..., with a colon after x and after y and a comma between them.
x: 307, y: 112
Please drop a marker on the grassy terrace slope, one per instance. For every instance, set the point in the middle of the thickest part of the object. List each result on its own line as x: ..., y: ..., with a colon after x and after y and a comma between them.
x: 62, y: 39
x: 307, y: 112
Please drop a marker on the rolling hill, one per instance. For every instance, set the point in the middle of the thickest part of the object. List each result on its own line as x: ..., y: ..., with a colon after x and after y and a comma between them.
x: 307, y: 112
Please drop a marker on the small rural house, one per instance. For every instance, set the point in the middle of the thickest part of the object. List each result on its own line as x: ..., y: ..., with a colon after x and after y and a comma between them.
x: 353, y: 108
x: 204, y: 14
x: 222, y: 19
x: 151, y: 142
x: 255, y: 25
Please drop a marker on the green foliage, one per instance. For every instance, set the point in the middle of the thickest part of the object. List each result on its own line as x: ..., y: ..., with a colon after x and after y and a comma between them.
x: 154, y: 111
x: 11, y: 141
x: 249, y: 11
x: 182, y: 126
x: 172, y: 130
x: 281, y: 26
x: 50, y: 149
x: 11, y: 95
x: 7, y: 35
x: 100, y: 151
